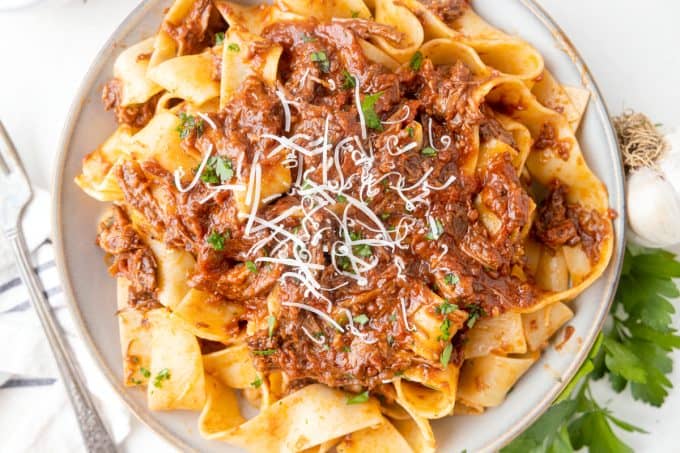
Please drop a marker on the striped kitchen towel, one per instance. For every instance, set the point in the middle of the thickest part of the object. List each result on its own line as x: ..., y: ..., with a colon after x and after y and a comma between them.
x: 35, y: 414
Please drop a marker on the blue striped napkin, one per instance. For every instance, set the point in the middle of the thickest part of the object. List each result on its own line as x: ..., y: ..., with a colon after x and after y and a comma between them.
x: 35, y: 414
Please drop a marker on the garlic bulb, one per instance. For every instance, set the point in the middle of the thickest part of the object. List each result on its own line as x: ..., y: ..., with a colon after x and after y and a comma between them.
x: 653, y: 198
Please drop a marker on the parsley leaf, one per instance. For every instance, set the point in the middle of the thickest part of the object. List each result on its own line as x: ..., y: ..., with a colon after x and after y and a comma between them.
x: 349, y: 81
x: 216, y: 240
x: 361, y: 319
x: 446, y: 308
x: 308, y: 38
x: 411, y: 131
x: 233, y: 47
x: 218, y: 170
x: 321, y: 59
x: 416, y: 61
x: 451, y: 279
x: 189, y: 124
x: 444, y: 329
x: 145, y: 372
x: 429, y: 151
x: 219, y: 38
x: 358, y: 399
x: 634, y: 352
x: 474, y: 313
x: 445, y: 357
x: 367, y: 107
x: 163, y: 375
x: 436, y: 230
x: 265, y: 352
x: 251, y: 267
x: 256, y: 383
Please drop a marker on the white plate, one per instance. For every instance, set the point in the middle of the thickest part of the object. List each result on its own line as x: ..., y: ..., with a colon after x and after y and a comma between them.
x: 91, y: 290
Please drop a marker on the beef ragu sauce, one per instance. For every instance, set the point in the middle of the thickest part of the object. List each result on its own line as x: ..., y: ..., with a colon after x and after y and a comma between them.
x: 349, y: 267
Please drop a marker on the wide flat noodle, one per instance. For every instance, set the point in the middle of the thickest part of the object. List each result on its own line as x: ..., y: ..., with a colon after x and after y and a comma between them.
x: 98, y: 177
x: 540, y: 325
x: 503, y: 334
x: 221, y: 411
x: 308, y: 417
x: 130, y: 69
x: 135, y: 338
x: 325, y: 10
x: 208, y: 317
x: 165, y: 47
x: 233, y: 366
x: 173, y: 269
x: 391, y: 12
x: 382, y: 438
x: 485, y: 381
x: 188, y: 77
x: 177, y: 379
x: 427, y: 392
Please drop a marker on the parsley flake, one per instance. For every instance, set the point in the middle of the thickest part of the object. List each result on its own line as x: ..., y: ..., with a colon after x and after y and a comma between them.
x: 308, y: 38
x: 189, y: 124
x: 349, y: 81
x: 163, y: 375
x: 256, y: 383
x: 358, y: 399
x: 320, y: 58
x: 429, y: 151
x: 218, y: 170
x: 233, y: 47
x: 219, y: 38
x: 451, y: 279
x: 265, y: 352
x: 251, y: 267
x: 216, y: 240
x: 436, y: 230
x: 145, y: 372
x: 361, y: 319
x: 367, y: 107
x: 446, y: 308
x: 416, y: 61
x: 474, y: 313
x: 445, y: 357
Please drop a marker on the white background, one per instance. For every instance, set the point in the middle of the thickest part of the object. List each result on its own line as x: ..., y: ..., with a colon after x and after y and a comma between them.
x: 631, y: 47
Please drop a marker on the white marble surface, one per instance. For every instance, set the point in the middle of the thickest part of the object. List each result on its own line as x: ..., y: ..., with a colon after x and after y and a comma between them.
x: 631, y: 50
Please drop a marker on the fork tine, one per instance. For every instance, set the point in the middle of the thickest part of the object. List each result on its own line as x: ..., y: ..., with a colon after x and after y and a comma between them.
x: 9, y: 158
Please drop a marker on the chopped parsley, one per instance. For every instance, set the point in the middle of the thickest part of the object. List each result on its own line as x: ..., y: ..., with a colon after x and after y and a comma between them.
x: 346, y: 348
x: 233, y: 47
x: 362, y: 250
x: 384, y: 216
x: 145, y: 372
x: 216, y: 240
x: 429, y: 151
x: 361, y: 319
x: 367, y: 107
x: 218, y: 170
x: 321, y: 59
x: 219, y: 38
x: 358, y: 399
x: 256, y: 383
x: 390, y: 339
x: 451, y: 279
x: 308, y: 38
x: 416, y: 61
x: 341, y: 198
x: 349, y: 81
x: 265, y: 352
x: 446, y: 308
x: 393, y: 317
x: 251, y: 267
x: 271, y: 323
x: 411, y: 131
x: 445, y: 357
x: 444, y: 328
x: 188, y: 124
x: 436, y: 231
x: 355, y: 14
x: 474, y: 313
x: 163, y: 375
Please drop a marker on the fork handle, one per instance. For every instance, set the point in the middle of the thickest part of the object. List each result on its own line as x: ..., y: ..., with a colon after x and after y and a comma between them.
x: 95, y: 435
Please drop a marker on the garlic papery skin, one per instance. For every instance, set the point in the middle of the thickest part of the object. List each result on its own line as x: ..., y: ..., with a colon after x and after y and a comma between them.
x: 669, y: 164
x: 653, y: 208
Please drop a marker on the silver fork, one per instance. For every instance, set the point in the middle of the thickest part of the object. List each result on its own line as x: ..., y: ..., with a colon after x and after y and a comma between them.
x: 15, y: 193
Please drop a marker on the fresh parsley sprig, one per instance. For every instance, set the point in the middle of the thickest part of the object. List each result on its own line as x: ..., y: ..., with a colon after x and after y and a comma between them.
x: 634, y: 352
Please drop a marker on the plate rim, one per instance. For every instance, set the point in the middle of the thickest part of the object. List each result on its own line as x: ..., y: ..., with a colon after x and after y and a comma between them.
x: 599, y: 106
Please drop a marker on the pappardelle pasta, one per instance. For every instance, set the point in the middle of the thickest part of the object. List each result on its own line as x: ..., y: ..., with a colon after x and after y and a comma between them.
x: 357, y: 216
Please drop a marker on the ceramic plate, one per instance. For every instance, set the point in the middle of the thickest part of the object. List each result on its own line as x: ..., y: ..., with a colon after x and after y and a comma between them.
x: 91, y: 290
